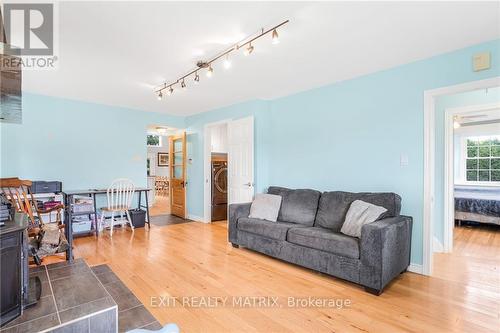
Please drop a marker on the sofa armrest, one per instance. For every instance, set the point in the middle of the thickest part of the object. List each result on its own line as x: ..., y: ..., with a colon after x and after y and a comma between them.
x: 384, y: 250
x: 235, y: 212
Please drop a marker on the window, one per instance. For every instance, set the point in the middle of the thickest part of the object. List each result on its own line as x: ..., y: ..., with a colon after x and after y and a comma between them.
x: 482, y: 161
x: 154, y: 140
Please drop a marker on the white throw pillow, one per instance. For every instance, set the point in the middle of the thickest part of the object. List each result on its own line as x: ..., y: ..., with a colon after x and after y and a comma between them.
x: 265, y: 207
x: 359, y: 214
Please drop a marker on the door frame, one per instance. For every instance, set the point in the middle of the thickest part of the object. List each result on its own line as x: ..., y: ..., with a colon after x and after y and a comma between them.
x: 207, y: 168
x: 430, y: 97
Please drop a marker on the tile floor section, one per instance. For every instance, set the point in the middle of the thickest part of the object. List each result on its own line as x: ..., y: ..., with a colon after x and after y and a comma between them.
x: 72, y: 300
x: 131, y: 312
x: 77, y: 298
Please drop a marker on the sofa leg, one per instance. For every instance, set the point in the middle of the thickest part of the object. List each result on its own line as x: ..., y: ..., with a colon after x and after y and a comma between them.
x: 373, y: 291
x: 235, y: 245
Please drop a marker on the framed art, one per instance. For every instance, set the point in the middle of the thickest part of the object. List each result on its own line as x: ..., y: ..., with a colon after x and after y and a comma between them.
x: 163, y: 159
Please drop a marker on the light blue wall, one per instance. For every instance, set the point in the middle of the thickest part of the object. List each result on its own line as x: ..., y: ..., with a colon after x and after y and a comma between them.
x: 84, y: 145
x: 348, y: 135
x: 442, y: 103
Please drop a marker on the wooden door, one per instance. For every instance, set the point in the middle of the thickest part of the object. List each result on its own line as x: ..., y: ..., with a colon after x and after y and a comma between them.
x: 177, y: 166
x: 240, y: 160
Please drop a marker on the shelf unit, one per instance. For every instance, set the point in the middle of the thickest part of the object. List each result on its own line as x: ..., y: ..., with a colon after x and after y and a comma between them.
x: 44, y: 197
x: 92, y: 215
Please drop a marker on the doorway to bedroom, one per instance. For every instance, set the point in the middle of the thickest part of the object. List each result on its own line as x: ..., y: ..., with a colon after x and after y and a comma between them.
x: 466, y: 229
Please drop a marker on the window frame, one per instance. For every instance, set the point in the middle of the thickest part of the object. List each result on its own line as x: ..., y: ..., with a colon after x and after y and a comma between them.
x: 465, y: 158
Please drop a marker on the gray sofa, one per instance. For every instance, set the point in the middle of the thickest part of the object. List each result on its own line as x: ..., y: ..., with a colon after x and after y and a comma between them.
x: 307, y: 233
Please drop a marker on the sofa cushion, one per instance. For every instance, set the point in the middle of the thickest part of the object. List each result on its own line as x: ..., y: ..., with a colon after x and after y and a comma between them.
x: 333, y: 206
x: 325, y: 240
x: 359, y: 214
x: 297, y: 206
x: 274, y: 230
x: 265, y: 207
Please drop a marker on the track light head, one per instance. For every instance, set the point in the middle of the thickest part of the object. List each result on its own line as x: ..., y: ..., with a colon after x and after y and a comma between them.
x: 160, y: 95
x: 210, y: 71
x: 170, y: 91
x: 183, y: 84
x: 227, y: 62
x: 248, y: 50
x: 275, y: 37
x: 196, y: 78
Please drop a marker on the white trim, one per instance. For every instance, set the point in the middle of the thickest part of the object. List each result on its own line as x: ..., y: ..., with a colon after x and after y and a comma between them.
x: 437, y: 246
x: 207, y: 170
x: 429, y: 162
x: 449, y: 170
x: 415, y: 268
x: 196, y: 218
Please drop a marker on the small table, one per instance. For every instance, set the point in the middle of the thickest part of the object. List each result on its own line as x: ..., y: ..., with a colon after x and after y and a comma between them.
x: 68, y: 199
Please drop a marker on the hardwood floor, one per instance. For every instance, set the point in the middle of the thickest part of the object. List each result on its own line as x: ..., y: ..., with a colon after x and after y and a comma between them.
x: 194, y: 259
x: 161, y: 206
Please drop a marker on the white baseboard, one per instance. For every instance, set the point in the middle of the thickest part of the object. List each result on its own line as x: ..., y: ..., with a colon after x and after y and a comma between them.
x: 437, y: 246
x: 416, y: 268
x: 196, y: 218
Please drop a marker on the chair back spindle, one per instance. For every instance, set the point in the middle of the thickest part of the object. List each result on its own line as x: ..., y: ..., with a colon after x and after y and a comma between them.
x: 120, y: 193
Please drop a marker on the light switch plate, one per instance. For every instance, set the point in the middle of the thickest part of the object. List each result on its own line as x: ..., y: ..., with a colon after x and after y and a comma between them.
x: 481, y: 61
x: 403, y: 160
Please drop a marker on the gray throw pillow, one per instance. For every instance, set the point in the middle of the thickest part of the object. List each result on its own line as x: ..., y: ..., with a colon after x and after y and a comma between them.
x: 359, y: 214
x: 265, y: 207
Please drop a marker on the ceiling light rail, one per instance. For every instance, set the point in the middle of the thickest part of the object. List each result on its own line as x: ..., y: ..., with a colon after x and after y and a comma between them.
x: 245, y: 44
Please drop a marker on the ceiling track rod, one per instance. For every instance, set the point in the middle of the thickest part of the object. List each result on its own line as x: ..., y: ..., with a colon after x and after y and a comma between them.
x: 237, y: 46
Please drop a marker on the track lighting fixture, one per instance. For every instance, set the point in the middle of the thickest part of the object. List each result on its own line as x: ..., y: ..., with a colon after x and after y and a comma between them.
x: 275, y: 37
x: 210, y: 71
x: 249, y: 49
x: 246, y: 44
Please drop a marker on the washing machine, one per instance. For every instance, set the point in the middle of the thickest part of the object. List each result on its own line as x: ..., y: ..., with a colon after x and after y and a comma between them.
x: 219, y: 189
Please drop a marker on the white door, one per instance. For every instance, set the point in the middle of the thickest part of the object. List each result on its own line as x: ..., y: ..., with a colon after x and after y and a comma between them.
x: 240, y: 160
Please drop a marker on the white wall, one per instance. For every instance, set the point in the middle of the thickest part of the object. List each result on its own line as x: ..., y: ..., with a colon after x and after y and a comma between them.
x: 459, y: 137
x: 153, y: 156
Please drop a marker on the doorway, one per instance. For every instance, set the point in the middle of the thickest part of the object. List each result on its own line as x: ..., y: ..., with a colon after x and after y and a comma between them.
x: 157, y: 168
x: 439, y: 172
x: 166, y: 174
x: 228, y: 166
x: 471, y: 169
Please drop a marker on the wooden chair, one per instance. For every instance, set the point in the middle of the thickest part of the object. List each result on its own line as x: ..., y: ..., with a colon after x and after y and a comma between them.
x: 119, y: 194
x: 18, y: 193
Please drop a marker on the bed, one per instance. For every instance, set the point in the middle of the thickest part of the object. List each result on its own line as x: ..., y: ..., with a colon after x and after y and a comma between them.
x: 477, y: 204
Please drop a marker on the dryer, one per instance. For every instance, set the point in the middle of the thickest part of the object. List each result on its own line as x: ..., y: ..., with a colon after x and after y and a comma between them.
x: 219, y: 188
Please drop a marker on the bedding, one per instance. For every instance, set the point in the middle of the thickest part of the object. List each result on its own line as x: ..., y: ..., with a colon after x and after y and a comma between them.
x: 478, y: 200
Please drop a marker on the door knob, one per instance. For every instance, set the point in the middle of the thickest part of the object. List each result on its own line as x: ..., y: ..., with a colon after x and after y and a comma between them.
x: 248, y: 184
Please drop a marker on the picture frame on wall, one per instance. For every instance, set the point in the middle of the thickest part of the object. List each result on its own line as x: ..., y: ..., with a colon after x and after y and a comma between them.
x: 162, y: 159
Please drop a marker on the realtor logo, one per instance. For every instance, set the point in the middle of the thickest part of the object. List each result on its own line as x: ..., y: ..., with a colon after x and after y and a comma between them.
x: 29, y: 36
x: 29, y: 28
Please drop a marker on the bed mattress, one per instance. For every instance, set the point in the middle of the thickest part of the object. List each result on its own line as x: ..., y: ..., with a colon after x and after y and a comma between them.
x: 478, y: 200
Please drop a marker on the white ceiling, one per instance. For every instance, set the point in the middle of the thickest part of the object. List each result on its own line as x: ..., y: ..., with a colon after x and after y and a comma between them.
x: 116, y: 52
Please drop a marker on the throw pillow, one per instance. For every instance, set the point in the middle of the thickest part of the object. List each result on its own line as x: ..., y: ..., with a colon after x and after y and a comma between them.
x: 265, y: 207
x: 359, y: 214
